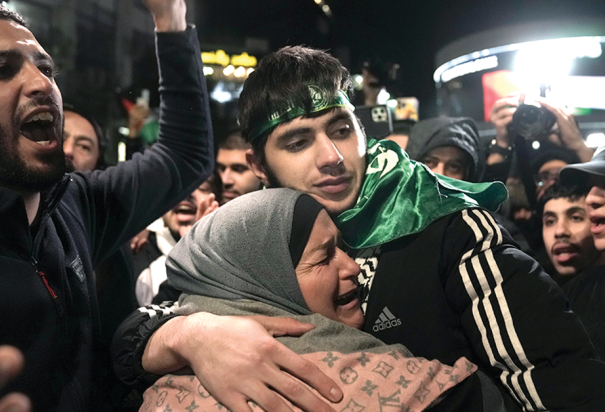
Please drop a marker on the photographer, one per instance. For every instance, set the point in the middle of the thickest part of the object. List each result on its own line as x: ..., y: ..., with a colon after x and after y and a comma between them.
x: 518, y: 124
x: 565, y: 131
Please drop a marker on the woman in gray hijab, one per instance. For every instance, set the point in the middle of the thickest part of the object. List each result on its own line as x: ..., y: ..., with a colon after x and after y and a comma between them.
x: 276, y: 252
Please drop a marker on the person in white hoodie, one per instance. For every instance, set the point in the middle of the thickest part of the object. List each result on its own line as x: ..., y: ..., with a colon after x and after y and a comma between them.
x: 150, y: 262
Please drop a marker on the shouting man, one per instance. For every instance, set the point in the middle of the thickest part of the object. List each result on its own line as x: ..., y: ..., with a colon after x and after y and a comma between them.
x: 55, y: 227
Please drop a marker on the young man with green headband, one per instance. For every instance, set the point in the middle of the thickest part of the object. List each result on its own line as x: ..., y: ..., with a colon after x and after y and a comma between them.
x: 439, y: 274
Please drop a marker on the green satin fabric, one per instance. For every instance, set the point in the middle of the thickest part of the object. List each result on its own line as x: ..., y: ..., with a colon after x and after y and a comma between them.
x: 400, y: 197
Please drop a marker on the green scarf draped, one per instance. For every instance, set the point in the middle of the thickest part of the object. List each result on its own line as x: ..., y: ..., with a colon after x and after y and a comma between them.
x: 400, y: 197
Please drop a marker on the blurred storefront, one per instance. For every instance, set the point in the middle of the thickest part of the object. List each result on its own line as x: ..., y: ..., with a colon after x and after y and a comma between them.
x: 562, y: 60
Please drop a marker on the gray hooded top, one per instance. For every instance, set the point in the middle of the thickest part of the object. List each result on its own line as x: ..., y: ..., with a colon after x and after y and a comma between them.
x: 242, y: 251
x: 460, y: 132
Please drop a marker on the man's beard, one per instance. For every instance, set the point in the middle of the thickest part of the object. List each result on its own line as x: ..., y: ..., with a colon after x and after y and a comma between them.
x: 274, y: 182
x: 17, y: 174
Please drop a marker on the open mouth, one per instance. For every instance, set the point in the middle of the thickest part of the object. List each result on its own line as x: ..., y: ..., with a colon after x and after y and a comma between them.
x: 39, y: 128
x: 185, y: 208
x: 564, y: 252
x: 598, y: 223
x: 348, y: 297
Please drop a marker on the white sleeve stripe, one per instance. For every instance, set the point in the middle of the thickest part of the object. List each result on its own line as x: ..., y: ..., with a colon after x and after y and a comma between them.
x: 153, y: 310
x: 475, y: 230
x: 495, y: 226
x: 494, y: 328
x: 490, y: 232
x: 502, y: 305
x: 150, y: 312
x: 483, y: 331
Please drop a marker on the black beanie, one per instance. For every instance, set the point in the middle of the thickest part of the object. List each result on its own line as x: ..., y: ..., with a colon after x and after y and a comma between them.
x: 305, y: 213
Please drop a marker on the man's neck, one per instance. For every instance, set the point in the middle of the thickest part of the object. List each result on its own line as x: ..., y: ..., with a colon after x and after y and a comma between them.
x: 32, y: 205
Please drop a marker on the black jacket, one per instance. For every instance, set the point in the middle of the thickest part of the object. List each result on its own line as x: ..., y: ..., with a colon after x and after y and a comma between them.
x: 459, y: 288
x: 459, y: 132
x: 462, y: 288
x: 586, y: 293
x: 47, y: 288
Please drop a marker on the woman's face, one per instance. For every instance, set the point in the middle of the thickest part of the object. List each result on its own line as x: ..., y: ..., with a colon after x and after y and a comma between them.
x: 328, y: 277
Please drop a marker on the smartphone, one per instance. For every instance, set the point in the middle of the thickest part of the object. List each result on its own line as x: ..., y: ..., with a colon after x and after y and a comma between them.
x: 377, y: 120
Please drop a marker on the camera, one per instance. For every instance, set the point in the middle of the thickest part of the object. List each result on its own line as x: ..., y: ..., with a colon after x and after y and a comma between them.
x: 532, y: 121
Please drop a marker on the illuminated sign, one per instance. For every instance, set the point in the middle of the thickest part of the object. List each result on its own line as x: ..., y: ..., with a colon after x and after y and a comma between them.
x: 473, y: 66
x: 569, y: 48
x: 223, y: 59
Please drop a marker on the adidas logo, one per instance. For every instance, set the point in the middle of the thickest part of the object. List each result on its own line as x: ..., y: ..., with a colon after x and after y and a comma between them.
x: 386, y: 320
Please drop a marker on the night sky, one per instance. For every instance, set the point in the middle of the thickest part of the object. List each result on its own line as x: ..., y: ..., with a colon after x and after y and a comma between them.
x: 406, y: 32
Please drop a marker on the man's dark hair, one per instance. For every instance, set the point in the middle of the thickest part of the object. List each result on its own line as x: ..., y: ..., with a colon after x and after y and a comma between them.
x: 561, y: 191
x: 6, y: 14
x: 101, y: 136
x: 552, y: 153
x: 280, y: 81
x: 234, y: 141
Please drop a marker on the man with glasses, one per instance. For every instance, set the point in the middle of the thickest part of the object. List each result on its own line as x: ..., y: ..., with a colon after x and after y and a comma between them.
x: 545, y: 167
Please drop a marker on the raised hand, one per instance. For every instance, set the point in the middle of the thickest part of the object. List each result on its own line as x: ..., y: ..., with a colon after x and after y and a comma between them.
x: 502, y: 114
x: 168, y: 15
x: 569, y: 134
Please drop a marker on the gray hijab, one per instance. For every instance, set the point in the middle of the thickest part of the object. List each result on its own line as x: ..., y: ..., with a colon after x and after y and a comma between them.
x: 241, y: 251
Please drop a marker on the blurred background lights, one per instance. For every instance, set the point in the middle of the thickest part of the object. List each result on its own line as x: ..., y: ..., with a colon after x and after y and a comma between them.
x: 383, y: 97
x: 240, y: 72
x: 535, y: 145
x: 220, y: 94
x: 250, y: 70
x: 228, y: 71
x: 542, y: 61
x: 208, y: 71
x: 595, y: 139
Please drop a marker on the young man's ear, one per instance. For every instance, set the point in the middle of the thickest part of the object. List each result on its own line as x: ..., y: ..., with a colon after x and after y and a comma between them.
x: 255, y: 165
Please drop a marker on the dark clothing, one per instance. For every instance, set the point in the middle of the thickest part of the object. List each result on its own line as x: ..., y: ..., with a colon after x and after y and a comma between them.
x: 83, y: 219
x: 460, y: 132
x: 586, y: 293
x: 490, y: 303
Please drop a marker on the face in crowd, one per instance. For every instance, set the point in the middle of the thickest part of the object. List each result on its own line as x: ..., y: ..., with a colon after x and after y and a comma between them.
x: 595, y: 207
x: 80, y: 143
x: 180, y: 218
x: 323, y: 155
x: 328, y: 277
x: 566, y: 231
x: 31, y: 118
x: 547, y: 176
x: 448, y: 161
x: 238, y: 179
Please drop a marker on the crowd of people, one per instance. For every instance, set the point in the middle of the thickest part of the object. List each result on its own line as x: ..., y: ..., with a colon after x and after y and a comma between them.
x: 303, y: 265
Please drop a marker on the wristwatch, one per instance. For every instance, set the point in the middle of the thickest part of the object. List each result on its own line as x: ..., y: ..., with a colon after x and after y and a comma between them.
x: 505, y: 152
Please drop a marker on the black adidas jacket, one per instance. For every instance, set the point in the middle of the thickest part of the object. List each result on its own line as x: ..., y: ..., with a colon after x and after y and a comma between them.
x: 462, y: 288
x: 459, y: 288
x: 83, y: 220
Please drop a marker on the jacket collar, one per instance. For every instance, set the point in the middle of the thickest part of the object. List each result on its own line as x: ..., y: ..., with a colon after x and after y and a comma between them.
x: 15, y: 231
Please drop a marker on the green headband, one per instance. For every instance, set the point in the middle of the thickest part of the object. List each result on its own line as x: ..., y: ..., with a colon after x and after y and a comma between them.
x: 320, y: 102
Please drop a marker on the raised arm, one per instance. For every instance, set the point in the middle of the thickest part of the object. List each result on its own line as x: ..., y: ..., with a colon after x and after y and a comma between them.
x: 122, y: 200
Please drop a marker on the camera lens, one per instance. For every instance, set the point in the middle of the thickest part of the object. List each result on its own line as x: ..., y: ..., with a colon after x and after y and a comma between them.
x: 532, y: 122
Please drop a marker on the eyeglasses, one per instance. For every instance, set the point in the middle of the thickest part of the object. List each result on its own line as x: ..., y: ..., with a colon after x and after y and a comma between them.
x: 547, y: 177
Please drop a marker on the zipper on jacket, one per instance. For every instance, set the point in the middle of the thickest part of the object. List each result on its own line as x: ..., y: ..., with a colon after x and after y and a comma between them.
x: 53, y: 295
